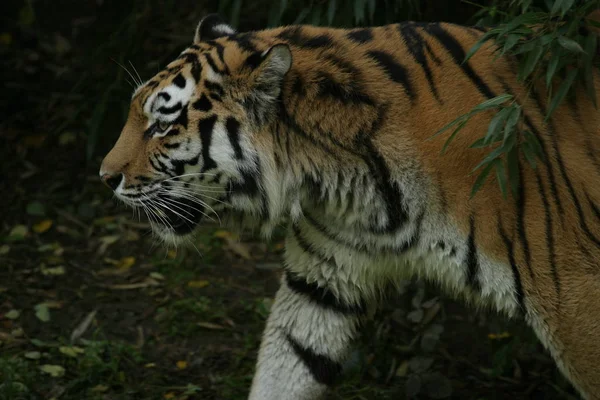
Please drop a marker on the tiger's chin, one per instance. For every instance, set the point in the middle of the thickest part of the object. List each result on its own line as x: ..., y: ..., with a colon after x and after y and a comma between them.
x: 175, y: 223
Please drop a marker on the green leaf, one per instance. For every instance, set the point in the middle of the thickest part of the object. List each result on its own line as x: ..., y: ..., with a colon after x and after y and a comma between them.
x: 300, y: 18
x: 566, y: 6
x: 493, y: 102
x: 449, y: 140
x: 511, y: 122
x: 474, y: 49
x: 529, y: 156
x: 479, y: 144
x: 450, y: 125
x: 534, y: 143
x: 562, y: 92
x: 36, y: 209
x: 570, y: 44
x: 552, y: 65
x: 501, y: 176
x: 556, y: 6
x: 497, y: 152
x: 359, y: 11
x: 510, y: 42
x: 42, y: 312
x: 512, y: 161
x: 481, y: 179
x: 527, y: 67
x: 496, y: 124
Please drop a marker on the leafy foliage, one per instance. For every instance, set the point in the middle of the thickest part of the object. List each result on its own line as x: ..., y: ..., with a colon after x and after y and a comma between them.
x: 552, y: 44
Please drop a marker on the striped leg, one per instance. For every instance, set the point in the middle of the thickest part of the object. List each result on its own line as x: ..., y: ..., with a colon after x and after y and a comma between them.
x: 306, y: 339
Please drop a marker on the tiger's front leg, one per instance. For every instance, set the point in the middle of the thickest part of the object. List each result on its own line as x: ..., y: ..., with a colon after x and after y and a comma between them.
x: 308, y: 332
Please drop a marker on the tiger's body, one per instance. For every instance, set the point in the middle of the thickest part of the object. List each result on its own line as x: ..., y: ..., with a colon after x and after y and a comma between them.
x: 327, y: 130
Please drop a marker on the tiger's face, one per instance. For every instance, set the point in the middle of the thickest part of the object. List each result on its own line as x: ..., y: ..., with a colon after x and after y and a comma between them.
x: 188, y: 146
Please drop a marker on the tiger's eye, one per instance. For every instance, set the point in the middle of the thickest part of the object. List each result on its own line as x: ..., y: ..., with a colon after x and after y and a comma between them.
x: 162, y: 126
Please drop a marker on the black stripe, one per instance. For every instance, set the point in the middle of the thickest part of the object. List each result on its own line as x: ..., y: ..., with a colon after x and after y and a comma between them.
x: 170, y: 110
x: 214, y: 87
x: 296, y: 37
x: 348, y: 93
x: 563, y: 171
x: 394, y: 70
x: 458, y: 54
x: 179, y: 81
x: 179, y: 165
x: 363, y: 35
x: 233, y: 127
x: 164, y: 95
x: 248, y: 185
x: 205, y: 127
x: 244, y: 41
x: 172, y: 145
x: 387, y: 187
x: 472, y: 261
x: 323, y: 369
x: 182, y: 119
x: 202, y: 104
x: 416, y: 47
x: 520, y: 200
x: 321, y: 296
x: 513, y: 266
x: 212, y: 64
x: 549, y: 234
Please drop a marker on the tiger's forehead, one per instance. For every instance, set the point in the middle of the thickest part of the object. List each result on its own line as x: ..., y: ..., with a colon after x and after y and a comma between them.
x: 203, y: 61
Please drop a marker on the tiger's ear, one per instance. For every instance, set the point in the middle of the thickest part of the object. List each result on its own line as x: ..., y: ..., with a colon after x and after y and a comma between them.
x: 212, y: 27
x: 268, y: 70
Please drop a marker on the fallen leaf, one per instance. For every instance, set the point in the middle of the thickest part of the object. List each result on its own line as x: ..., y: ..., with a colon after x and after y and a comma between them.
x: 238, y: 248
x: 171, y: 254
x: 83, y: 326
x: 128, y: 286
x: 105, y: 242
x: 55, y: 371
x: 4, y: 249
x: 42, y: 312
x: 34, y: 140
x: 126, y: 262
x: 19, y: 332
x: 210, y: 325
x: 42, y: 226
x: 36, y: 209
x: 169, y: 395
x: 157, y: 275
x: 12, y: 314
x: 198, y: 284
x: 402, y: 369
x: 150, y: 365
x: 33, y: 355
x: 99, y: 388
x: 71, y: 351
x: 223, y: 234
x: 66, y: 138
x: 181, y: 364
x: 499, y: 336
x: 18, y: 232
x: 60, y: 270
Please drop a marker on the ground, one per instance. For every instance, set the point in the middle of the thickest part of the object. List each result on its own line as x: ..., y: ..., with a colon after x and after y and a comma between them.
x: 93, y: 307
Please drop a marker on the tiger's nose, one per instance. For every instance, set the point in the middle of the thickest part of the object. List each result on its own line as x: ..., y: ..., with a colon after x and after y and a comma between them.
x: 112, y: 181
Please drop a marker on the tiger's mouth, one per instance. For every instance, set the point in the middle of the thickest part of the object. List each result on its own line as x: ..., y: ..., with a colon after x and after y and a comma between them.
x: 179, y: 215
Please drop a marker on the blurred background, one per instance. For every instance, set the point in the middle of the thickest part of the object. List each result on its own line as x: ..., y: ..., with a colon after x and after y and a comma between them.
x: 92, y: 307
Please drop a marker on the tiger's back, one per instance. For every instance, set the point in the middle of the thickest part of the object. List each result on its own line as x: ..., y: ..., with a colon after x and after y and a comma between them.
x: 334, y: 135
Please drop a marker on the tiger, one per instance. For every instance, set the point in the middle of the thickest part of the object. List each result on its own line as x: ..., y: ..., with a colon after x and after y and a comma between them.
x: 328, y: 132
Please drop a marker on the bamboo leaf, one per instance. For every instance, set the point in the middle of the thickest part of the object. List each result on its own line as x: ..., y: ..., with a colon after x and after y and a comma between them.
x: 497, y: 152
x: 496, y: 124
x: 512, y: 162
x: 556, y: 6
x: 534, y: 143
x: 527, y: 67
x: 566, y: 6
x: 552, y: 65
x: 562, y: 92
x: 450, y: 125
x: 449, y: 140
x: 493, y: 102
x: 511, y: 41
x: 481, y: 179
x: 511, y: 123
x: 570, y: 44
x: 529, y: 155
x: 479, y: 144
x: 501, y: 176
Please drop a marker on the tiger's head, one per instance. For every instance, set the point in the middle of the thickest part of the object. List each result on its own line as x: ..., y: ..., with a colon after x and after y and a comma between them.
x: 188, y: 148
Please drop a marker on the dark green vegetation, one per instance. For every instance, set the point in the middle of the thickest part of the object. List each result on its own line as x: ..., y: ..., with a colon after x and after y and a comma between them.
x: 91, y: 307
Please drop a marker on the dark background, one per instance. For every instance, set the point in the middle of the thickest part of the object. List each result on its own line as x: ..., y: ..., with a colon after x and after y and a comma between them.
x: 91, y: 306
